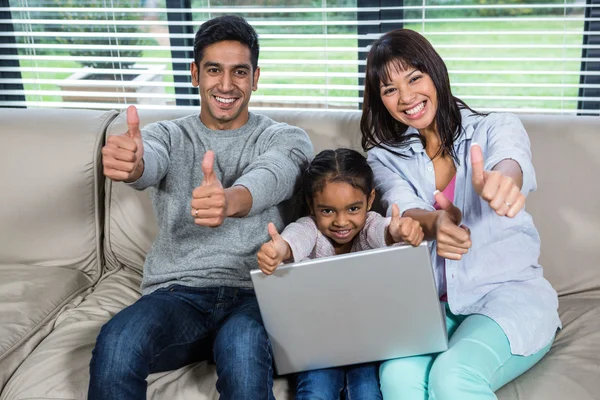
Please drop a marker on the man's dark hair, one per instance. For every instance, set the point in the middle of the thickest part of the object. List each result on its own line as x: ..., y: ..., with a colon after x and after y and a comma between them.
x: 227, y: 27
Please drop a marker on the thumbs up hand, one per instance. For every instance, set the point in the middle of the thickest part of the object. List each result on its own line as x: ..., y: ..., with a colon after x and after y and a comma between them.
x: 500, y: 191
x: 122, y: 156
x: 274, y: 252
x: 404, y: 229
x: 452, y: 239
x: 209, y: 203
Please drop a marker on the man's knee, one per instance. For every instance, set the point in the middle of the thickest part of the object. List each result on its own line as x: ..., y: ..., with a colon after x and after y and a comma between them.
x: 243, y: 357
x: 243, y: 340
x: 118, y: 345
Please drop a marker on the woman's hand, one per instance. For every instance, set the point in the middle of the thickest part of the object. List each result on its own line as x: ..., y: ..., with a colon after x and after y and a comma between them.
x: 274, y: 252
x: 452, y: 239
x: 497, y: 187
x: 404, y: 229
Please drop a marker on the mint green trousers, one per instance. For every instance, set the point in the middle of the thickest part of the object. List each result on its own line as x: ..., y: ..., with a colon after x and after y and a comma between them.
x: 477, y: 363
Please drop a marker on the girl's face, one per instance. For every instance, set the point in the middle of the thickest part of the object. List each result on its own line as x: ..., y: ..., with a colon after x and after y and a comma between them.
x: 340, y: 210
x: 410, y: 97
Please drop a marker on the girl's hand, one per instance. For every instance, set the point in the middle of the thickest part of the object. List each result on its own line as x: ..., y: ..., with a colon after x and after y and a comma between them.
x: 404, y: 229
x: 499, y: 190
x: 452, y: 239
x: 273, y: 253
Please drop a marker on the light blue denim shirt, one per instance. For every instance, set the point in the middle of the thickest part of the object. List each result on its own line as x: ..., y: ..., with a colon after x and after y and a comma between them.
x: 500, y: 276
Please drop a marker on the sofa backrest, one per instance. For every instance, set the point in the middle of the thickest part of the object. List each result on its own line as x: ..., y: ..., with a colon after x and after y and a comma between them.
x: 51, y: 197
x: 563, y: 207
x: 130, y: 222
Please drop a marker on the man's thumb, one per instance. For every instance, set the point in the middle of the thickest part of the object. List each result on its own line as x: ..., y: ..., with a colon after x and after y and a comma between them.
x: 273, y: 232
x: 446, y: 205
x: 208, y: 167
x: 133, y: 123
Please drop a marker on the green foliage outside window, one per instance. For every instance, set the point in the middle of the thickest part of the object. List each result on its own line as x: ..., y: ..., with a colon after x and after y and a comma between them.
x: 104, y: 42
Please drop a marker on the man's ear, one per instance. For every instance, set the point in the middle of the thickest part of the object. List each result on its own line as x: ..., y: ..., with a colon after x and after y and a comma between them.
x: 371, y: 199
x: 194, y: 73
x: 255, y: 77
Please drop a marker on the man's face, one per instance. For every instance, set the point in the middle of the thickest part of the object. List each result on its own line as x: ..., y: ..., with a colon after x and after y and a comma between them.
x: 225, y: 81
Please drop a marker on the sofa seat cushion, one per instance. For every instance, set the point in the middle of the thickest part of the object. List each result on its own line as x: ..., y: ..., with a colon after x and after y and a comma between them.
x: 59, y: 367
x: 30, y: 300
x: 571, y: 369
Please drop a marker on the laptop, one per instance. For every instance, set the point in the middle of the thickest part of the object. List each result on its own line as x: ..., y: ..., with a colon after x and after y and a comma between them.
x: 352, y: 308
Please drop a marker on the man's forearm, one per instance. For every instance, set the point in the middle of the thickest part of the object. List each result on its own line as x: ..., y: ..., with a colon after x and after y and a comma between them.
x: 238, y: 200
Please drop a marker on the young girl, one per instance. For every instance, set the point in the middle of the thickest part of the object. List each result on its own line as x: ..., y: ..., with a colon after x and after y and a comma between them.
x: 501, y: 312
x: 338, y: 189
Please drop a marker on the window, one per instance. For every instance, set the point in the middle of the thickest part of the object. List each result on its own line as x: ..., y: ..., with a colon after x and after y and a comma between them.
x: 514, y: 55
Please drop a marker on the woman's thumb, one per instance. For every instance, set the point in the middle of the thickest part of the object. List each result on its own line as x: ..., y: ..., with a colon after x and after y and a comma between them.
x: 446, y: 205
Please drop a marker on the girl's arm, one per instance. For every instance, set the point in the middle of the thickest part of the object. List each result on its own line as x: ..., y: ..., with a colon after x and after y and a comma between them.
x: 302, y: 238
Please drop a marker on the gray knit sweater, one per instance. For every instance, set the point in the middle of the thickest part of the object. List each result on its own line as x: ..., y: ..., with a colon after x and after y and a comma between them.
x: 264, y: 156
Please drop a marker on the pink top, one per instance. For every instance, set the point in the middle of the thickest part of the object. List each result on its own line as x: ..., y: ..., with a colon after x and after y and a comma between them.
x: 449, y: 193
x: 306, y: 241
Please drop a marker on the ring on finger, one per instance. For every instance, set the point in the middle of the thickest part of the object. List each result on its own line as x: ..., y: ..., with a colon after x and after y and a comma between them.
x: 196, y: 213
x: 507, y: 203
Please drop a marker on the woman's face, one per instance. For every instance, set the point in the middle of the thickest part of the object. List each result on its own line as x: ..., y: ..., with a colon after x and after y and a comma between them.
x: 410, y: 97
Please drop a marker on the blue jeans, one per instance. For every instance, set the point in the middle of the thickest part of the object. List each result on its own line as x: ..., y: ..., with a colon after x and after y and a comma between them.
x: 176, y: 326
x: 353, y: 383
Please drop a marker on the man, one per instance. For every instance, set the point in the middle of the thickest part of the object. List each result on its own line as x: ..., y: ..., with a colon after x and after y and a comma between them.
x: 216, y: 181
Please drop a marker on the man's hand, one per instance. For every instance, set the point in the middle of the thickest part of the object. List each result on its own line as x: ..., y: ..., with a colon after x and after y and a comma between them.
x: 404, y: 229
x: 499, y: 190
x: 274, y: 252
x: 122, y: 156
x: 209, y: 204
x: 453, y: 239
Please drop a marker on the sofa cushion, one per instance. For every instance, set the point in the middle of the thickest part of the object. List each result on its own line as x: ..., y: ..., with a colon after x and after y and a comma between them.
x: 50, y: 208
x: 571, y: 368
x: 59, y: 367
x: 30, y: 298
x: 565, y: 205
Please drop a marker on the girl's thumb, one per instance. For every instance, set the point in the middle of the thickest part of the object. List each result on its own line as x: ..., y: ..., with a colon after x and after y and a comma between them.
x: 273, y: 231
x: 395, y: 211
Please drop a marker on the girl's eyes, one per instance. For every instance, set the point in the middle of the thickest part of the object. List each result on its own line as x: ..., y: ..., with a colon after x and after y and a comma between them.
x: 415, y: 78
x: 388, y: 91
x: 328, y: 211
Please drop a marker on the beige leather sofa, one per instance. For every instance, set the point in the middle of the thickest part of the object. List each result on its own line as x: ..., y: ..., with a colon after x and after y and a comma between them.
x: 72, y: 246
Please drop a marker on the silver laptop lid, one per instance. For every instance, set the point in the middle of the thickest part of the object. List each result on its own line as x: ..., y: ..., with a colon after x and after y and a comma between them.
x: 352, y: 308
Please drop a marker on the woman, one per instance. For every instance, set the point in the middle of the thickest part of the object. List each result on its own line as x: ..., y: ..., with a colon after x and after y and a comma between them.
x: 465, y: 177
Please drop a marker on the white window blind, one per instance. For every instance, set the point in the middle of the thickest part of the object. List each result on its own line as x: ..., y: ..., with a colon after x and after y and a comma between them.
x: 521, y: 56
